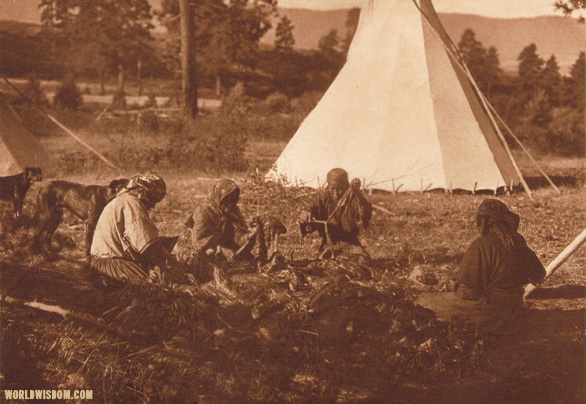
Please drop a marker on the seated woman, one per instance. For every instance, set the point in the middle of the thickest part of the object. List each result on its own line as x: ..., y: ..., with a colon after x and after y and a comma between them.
x: 492, y: 271
x: 220, y: 231
x: 499, y: 263
x: 345, y: 210
x: 126, y: 247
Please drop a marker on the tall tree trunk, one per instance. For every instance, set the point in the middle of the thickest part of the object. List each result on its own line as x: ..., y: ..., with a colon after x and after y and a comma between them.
x: 139, y: 74
x: 102, y: 81
x: 218, y: 85
x: 190, y: 108
x: 120, y: 79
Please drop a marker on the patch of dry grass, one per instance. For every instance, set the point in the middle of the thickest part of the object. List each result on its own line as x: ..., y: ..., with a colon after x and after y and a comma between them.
x: 201, y: 352
x: 193, y: 349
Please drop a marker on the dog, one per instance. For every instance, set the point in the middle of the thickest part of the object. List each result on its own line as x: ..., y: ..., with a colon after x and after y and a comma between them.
x: 84, y: 201
x: 14, y: 187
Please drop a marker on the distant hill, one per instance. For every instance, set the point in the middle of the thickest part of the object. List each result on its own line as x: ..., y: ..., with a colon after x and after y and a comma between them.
x: 560, y: 36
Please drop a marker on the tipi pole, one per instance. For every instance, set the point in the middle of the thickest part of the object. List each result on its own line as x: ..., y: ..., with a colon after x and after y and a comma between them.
x: 465, y: 70
x: 460, y: 61
x: 499, y: 133
x: 69, y: 132
x: 523, y: 148
x: 559, y: 260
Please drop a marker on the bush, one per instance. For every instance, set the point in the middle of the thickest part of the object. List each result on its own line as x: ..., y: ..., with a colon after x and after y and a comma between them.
x: 148, y: 121
x: 306, y: 103
x: 277, y: 102
x: 34, y: 92
x: 235, y: 101
x: 565, y: 134
x: 173, y: 126
x: 223, y: 142
x: 531, y: 135
x: 68, y: 95
x: 225, y: 152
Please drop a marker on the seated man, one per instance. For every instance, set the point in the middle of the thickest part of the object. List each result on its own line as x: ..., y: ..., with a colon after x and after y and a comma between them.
x: 126, y: 247
x: 220, y: 231
x: 498, y: 263
x: 343, y: 207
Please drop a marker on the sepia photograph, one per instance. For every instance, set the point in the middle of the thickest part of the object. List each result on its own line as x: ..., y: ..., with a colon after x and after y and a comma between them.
x: 293, y: 201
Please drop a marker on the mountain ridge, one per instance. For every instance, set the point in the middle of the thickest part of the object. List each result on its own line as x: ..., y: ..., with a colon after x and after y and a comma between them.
x: 561, y: 36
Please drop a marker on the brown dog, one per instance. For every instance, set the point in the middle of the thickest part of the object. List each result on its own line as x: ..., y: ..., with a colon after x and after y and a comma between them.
x: 84, y: 201
x: 14, y: 187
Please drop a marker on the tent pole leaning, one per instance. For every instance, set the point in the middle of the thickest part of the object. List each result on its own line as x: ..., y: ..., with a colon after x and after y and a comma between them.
x: 69, y: 132
x: 465, y: 70
x: 460, y: 61
x: 498, y: 131
x: 524, y: 148
x: 90, y: 148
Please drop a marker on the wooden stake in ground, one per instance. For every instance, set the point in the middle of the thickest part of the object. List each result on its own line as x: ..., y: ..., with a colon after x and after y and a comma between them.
x: 560, y: 259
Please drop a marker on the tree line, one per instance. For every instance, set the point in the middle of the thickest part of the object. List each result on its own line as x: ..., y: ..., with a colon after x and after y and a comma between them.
x: 544, y: 107
x: 105, y: 38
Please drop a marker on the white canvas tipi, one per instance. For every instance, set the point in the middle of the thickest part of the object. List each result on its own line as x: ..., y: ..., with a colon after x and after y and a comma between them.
x: 18, y: 147
x: 401, y: 115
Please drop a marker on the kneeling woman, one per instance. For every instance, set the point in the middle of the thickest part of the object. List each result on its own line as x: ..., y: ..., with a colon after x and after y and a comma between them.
x: 126, y: 244
x: 498, y: 263
x: 220, y: 233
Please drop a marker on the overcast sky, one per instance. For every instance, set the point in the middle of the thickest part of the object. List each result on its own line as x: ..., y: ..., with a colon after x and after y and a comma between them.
x: 27, y: 10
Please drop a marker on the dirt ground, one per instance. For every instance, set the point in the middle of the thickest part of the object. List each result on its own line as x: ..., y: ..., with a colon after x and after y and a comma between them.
x: 214, y: 352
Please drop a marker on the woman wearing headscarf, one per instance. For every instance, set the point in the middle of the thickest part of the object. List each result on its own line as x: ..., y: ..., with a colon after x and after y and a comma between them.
x: 126, y: 244
x: 219, y: 229
x: 491, y: 274
x: 345, y: 209
x: 498, y: 263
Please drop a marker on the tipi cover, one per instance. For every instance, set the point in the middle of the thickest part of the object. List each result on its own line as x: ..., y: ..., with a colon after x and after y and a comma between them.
x: 18, y: 147
x: 401, y: 114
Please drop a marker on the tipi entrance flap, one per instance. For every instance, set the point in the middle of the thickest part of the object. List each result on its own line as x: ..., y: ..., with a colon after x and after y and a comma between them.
x: 468, y: 160
x: 502, y: 158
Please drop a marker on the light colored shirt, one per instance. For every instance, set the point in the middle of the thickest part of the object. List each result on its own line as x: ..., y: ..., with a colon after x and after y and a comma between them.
x: 123, y: 229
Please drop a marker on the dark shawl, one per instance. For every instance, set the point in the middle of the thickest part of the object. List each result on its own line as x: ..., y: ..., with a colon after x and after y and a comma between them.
x: 212, y: 227
x: 499, y: 261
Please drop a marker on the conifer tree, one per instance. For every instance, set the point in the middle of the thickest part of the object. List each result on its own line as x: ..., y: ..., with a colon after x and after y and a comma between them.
x: 284, y: 39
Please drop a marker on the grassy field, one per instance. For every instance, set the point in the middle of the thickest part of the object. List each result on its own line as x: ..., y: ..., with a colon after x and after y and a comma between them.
x: 326, y: 339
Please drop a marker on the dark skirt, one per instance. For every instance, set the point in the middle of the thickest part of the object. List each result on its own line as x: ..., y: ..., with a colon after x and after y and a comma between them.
x: 496, y: 315
x: 120, y: 270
